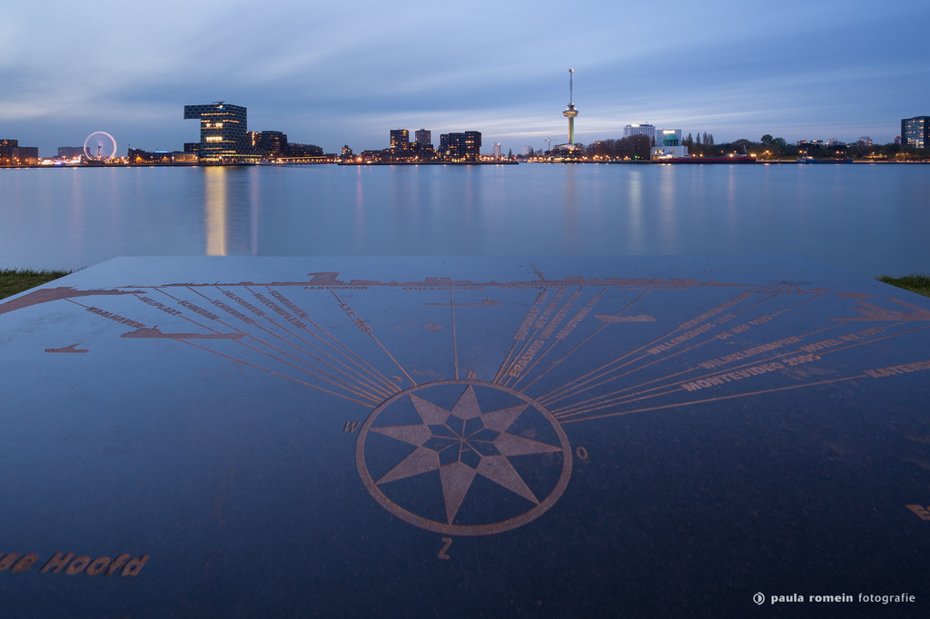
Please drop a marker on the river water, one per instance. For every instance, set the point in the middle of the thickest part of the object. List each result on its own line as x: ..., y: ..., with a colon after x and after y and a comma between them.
x: 868, y: 219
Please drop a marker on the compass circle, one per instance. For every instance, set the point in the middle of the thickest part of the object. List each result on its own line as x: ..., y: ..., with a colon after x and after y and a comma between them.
x: 463, y: 457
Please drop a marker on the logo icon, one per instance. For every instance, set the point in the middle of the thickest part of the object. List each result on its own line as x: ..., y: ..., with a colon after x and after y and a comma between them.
x: 759, y: 599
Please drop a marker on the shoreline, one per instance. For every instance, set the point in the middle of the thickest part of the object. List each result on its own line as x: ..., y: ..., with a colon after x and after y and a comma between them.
x: 14, y: 281
x: 463, y: 163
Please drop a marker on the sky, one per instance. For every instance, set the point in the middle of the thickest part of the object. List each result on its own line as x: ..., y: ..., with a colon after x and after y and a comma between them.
x: 334, y: 73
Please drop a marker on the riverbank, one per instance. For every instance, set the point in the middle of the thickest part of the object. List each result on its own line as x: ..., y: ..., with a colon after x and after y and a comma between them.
x: 15, y: 281
x: 915, y: 283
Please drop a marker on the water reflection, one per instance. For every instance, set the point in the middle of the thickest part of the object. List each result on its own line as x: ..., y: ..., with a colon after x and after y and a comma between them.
x: 255, y: 208
x: 635, y: 208
x: 668, y: 226
x: 215, y: 203
x: 570, y: 209
x: 867, y: 219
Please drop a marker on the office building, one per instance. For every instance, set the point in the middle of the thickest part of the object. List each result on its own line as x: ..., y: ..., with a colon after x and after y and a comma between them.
x: 223, y: 130
x: 916, y: 131
x: 640, y: 129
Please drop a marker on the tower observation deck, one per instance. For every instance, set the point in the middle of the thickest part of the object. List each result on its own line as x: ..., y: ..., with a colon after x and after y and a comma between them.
x: 570, y: 112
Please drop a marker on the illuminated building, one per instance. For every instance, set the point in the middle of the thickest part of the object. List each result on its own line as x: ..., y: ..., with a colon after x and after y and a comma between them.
x: 137, y: 156
x: 570, y: 112
x: 268, y: 144
x: 70, y: 152
x: 296, y: 150
x: 916, y: 131
x: 459, y: 146
x: 424, y: 139
x: 12, y: 154
x: 668, y: 144
x: 223, y: 130
x: 640, y: 129
x: 400, y: 140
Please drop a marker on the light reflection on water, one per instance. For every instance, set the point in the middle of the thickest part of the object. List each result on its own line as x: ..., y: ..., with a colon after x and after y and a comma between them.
x: 217, y: 211
x: 870, y: 219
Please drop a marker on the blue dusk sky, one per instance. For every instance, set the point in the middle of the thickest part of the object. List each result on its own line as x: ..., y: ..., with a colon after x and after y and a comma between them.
x: 331, y: 73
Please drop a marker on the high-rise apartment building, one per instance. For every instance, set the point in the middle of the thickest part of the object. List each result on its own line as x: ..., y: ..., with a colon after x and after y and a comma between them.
x: 460, y: 145
x: 223, y: 130
x: 400, y: 140
x: 424, y: 138
x: 916, y: 131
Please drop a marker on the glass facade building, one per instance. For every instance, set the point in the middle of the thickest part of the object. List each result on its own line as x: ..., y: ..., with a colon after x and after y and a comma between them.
x: 916, y: 131
x: 223, y: 131
x: 460, y: 145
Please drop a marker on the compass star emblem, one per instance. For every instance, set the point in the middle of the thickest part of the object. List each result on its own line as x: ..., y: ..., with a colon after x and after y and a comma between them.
x: 464, y: 443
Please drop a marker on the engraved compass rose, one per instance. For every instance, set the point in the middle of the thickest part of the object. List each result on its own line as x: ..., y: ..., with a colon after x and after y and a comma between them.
x: 465, y: 443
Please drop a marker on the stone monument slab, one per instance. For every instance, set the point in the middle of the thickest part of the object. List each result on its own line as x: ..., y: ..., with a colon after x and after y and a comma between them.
x: 363, y: 437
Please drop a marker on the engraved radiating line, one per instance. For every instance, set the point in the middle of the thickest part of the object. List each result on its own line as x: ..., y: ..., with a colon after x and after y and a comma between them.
x: 209, y: 328
x: 559, y: 317
x: 569, y: 388
x: 603, y: 326
x: 370, y: 332
x: 610, y: 375
x: 715, y: 399
x: 341, y: 348
x: 304, y: 367
x: 537, y: 303
x: 275, y: 373
x: 264, y: 369
x: 319, y: 375
x: 720, y: 369
x: 539, y: 324
x: 605, y: 370
x: 672, y: 389
x: 665, y: 357
x: 455, y: 349
x: 348, y: 373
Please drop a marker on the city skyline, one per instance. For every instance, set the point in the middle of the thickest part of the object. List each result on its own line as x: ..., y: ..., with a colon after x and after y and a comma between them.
x: 794, y: 70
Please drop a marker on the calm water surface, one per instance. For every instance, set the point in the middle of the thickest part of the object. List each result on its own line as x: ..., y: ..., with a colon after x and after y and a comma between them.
x: 868, y: 219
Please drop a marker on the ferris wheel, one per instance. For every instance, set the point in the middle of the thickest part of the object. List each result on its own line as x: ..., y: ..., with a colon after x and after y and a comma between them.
x: 100, y: 146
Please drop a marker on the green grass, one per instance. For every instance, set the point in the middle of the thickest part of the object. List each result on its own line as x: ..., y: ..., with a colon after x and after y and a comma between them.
x: 13, y: 281
x: 915, y: 283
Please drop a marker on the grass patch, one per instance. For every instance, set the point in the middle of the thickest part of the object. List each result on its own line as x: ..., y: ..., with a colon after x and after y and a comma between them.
x: 13, y: 281
x: 915, y: 283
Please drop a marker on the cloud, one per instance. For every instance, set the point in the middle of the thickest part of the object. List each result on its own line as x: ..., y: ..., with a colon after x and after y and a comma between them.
x: 331, y: 73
